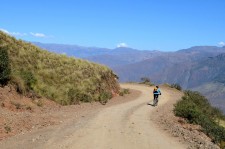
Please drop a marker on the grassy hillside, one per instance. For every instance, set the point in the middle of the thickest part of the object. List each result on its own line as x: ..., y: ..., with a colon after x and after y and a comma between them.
x: 58, y: 77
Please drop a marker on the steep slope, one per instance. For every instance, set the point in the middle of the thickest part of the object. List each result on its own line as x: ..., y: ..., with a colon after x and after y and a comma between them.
x: 168, y: 67
x: 211, y: 69
x: 58, y: 77
x: 205, y: 75
x: 212, y: 84
x: 215, y: 92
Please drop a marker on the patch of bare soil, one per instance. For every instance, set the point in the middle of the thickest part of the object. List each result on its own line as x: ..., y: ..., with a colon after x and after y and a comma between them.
x: 178, y: 127
x: 20, y: 115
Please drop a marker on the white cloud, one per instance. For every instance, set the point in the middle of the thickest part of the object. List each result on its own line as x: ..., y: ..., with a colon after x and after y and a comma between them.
x: 13, y: 33
x: 41, y: 35
x: 5, y: 31
x: 122, y: 45
x: 18, y: 34
x: 221, y: 43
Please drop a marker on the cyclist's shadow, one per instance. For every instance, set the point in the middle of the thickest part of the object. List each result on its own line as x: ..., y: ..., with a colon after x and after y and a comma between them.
x: 150, y: 104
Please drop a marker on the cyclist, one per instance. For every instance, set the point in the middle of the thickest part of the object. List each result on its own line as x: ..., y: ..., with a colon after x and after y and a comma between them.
x: 156, y: 93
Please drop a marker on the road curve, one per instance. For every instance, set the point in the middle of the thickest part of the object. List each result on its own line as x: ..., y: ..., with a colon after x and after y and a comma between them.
x: 123, y: 126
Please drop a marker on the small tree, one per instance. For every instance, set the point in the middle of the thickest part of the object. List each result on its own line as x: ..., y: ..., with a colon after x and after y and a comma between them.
x: 176, y: 86
x: 4, y: 66
x: 29, y: 79
x: 145, y: 80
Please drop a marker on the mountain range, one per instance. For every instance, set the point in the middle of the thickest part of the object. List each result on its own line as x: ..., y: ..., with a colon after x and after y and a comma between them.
x: 200, y: 68
x: 110, y: 57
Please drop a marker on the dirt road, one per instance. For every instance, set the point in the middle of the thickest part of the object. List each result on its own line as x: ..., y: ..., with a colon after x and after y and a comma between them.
x: 123, y: 126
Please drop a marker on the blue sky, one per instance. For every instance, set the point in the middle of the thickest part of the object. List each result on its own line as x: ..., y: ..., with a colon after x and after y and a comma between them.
x: 165, y: 25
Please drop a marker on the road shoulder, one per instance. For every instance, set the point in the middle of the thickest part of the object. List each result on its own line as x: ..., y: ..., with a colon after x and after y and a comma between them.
x: 189, y: 134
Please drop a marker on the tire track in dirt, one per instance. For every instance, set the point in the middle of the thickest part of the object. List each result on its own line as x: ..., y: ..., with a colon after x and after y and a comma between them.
x: 123, y: 126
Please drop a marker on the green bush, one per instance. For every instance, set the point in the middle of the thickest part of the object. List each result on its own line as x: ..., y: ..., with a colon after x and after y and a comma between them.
x: 76, y: 95
x: 8, y: 129
x: 124, y: 91
x: 104, y: 97
x: 176, y: 86
x: 197, y: 110
x: 212, y: 129
x: 24, y: 82
x: 188, y: 110
x: 146, y: 80
x: 4, y: 66
x: 72, y: 95
x: 29, y: 79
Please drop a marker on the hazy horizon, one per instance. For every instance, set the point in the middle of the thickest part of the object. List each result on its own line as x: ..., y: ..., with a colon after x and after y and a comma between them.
x: 126, y: 47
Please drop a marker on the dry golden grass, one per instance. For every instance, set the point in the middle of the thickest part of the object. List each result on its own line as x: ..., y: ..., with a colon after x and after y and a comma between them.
x: 222, y: 123
x: 52, y: 75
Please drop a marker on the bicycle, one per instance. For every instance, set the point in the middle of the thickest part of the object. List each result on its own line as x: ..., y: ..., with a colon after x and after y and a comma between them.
x: 155, y: 100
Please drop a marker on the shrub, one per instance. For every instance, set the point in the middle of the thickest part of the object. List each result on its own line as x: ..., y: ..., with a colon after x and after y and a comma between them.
x: 121, y: 93
x: 212, y: 129
x: 76, y: 95
x: 84, y: 96
x: 188, y: 110
x: 8, y: 129
x: 73, y: 96
x: 124, y: 91
x: 176, y: 86
x: 196, y: 109
x: 19, y: 84
x: 29, y: 108
x: 17, y: 105
x: 104, y: 97
x: 40, y: 103
x: 29, y: 79
x: 4, y: 66
x: 146, y: 80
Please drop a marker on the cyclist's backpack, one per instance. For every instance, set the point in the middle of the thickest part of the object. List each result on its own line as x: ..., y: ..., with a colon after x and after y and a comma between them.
x: 155, y: 90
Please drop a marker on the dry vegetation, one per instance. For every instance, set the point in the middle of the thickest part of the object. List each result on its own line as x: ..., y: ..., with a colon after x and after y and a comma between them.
x: 67, y: 80
x: 222, y: 123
